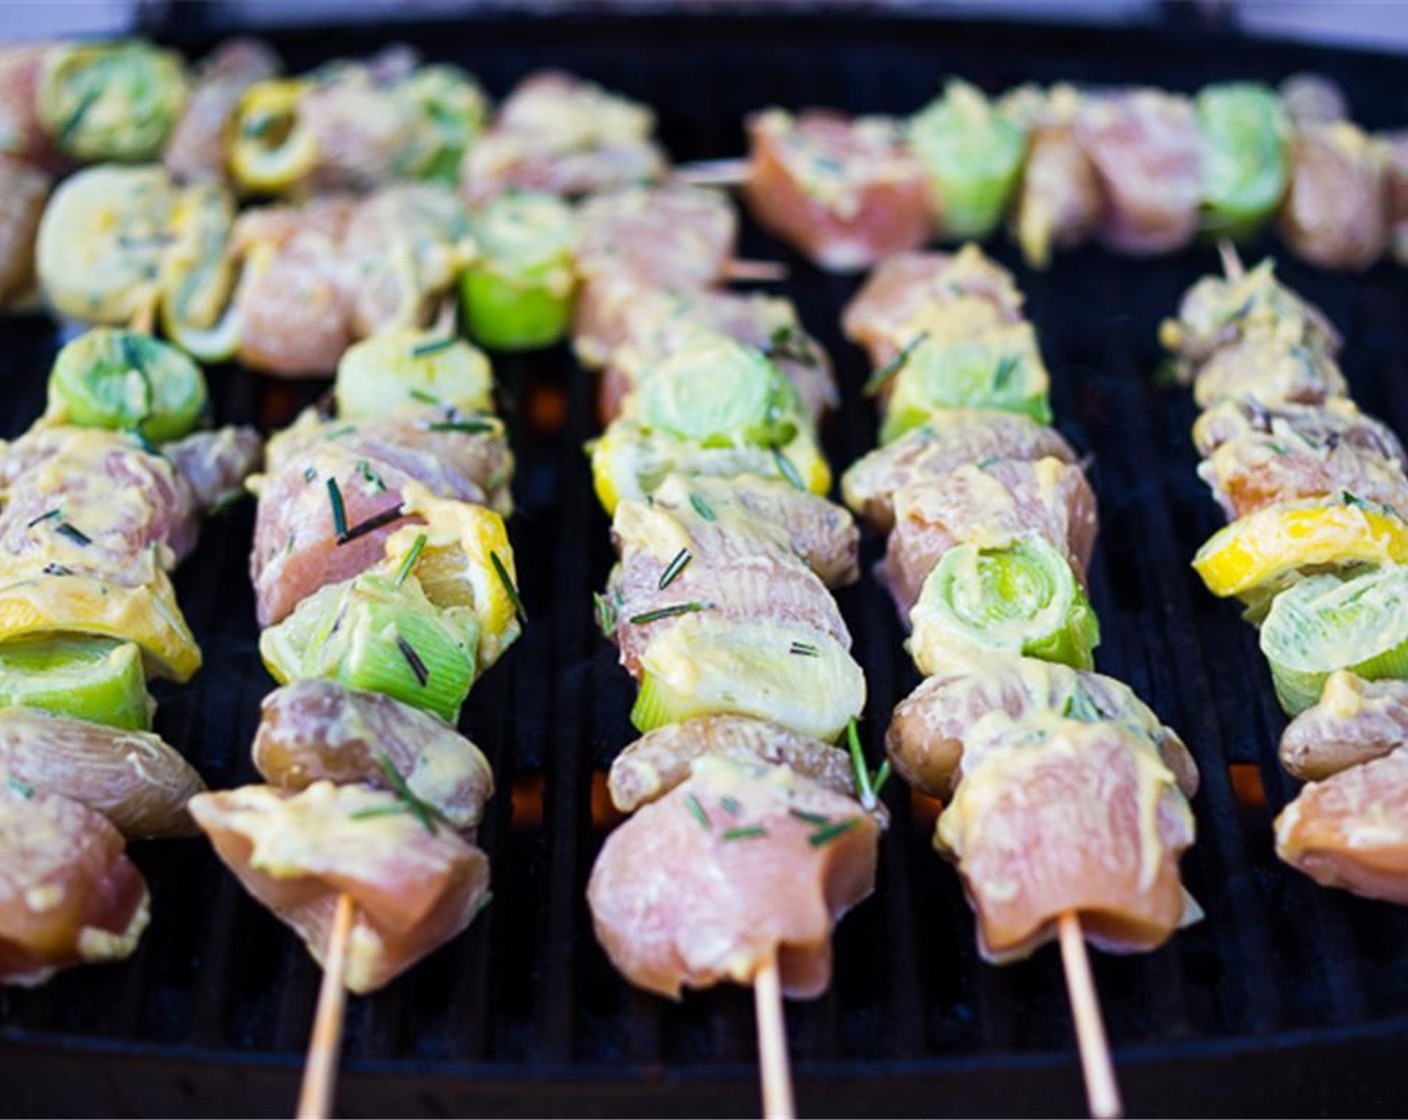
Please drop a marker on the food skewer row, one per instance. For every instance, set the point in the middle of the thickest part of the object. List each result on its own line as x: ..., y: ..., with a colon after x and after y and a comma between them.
x: 1065, y: 800
x: 385, y: 581
x: 103, y: 496
x: 1316, y: 549
x: 1142, y: 170
x: 751, y: 833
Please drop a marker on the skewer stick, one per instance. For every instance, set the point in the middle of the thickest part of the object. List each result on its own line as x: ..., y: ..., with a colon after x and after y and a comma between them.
x: 143, y: 319
x: 756, y: 270
x: 1232, y: 266
x: 713, y: 173
x: 1101, y: 1090
x: 320, y: 1071
x: 772, y: 1043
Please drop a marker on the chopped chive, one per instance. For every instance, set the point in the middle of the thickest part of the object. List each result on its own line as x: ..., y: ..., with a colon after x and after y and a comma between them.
x: 408, y: 651
x: 426, y: 398
x: 731, y: 805
x: 434, y: 346
x: 882, y: 376
x: 380, y: 811
x: 788, y: 471
x: 810, y: 818
x: 338, y: 433
x: 371, y: 524
x: 24, y: 789
x: 671, y: 611
x: 858, y: 766
x: 414, y: 805
x: 880, y: 777
x: 1279, y: 449
x: 33, y: 521
x: 830, y: 832
x: 605, y: 614
x: 417, y: 546
x: 76, y: 535
x: 745, y: 832
x: 696, y: 811
x: 701, y: 507
x: 509, y: 587
x: 70, y: 126
x: 339, y: 511
x: 804, y: 649
x: 144, y: 442
x: 370, y: 477
x: 1354, y: 500
x: 57, y: 570
x: 468, y: 427
x: 1002, y: 376
x: 986, y: 461
x: 675, y: 567
x: 1080, y: 706
x: 309, y: 473
x: 484, y: 900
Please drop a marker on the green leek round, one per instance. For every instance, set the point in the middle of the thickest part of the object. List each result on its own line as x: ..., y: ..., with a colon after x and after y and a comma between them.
x: 1245, y: 131
x: 1327, y: 622
x: 403, y: 368
x: 94, y: 679
x: 973, y: 155
x: 792, y: 675
x: 111, y: 101
x: 1006, y: 374
x: 449, y: 111
x: 1023, y: 598
x: 126, y: 381
x: 374, y: 634
x: 518, y: 292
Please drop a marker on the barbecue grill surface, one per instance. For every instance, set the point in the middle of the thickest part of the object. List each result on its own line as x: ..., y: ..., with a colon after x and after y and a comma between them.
x: 1288, y: 999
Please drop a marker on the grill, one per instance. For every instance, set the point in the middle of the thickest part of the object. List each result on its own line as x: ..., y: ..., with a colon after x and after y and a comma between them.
x: 1287, y: 1000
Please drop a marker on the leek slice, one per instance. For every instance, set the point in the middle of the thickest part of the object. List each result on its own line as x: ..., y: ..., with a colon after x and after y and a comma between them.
x: 271, y: 150
x: 94, y: 679
x: 517, y: 294
x: 111, y: 101
x: 449, y: 112
x: 1023, y: 598
x: 1244, y: 130
x: 375, y: 634
x: 1327, y: 622
x: 403, y: 368
x: 1001, y: 369
x: 703, y: 666
x: 124, y: 381
x: 973, y: 154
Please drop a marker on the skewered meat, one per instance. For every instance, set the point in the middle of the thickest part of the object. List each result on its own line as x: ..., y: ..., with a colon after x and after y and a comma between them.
x: 1262, y: 364
x: 1355, y: 721
x: 662, y: 759
x: 1348, y: 831
x: 1396, y: 168
x: 988, y: 504
x: 1059, y: 202
x: 559, y: 134
x: 294, y: 316
x: 296, y: 549
x: 215, y: 464
x: 905, y: 293
x: 134, y: 779
x: 741, y: 569
x: 1147, y: 151
x: 415, y: 884
x: 952, y: 438
x: 930, y: 728
x: 22, y: 133
x: 1056, y: 816
x: 1313, y: 99
x: 23, y: 193
x: 675, y: 237
x: 627, y: 328
x: 1336, y: 421
x: 843, y: 191
x: 317, y: 730
x: 196, y: 149
x: 1334, y: 213
x: 68, y: 893
x: 734, y: 866
x: 1257, y: 469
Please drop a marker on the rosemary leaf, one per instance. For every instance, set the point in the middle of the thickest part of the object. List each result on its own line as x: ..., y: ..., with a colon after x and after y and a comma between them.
x: 675, y: 567
x: 882, y: 376
x: 414, y: 805
x: 701, y: 507
x: 417, y: 546
x: 745, y: 832
x: 696, y: 811
x: 408, y: 651
x: 339, y: 511
x: 509, y: 588
x: 825, y: 835
x: 671, y: 611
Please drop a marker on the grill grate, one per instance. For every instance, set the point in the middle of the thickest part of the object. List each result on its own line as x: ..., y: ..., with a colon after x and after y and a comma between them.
x: 1288, y: 999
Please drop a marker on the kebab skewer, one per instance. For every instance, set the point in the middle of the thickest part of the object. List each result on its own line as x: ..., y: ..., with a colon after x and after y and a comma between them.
x: 103, y: 496
x: 385, y: 580
x: 1315, y: 548
x: 1039, y: 760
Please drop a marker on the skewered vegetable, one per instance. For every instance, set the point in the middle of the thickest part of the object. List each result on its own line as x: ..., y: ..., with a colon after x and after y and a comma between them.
x: 1335, y: 210
x: 405, y: 367
x: 973, y: 155
x: 196, y: 149
x: 1245, y: 132
x: 517, y: 293
x: 126, y: 382
x: 87, y: 678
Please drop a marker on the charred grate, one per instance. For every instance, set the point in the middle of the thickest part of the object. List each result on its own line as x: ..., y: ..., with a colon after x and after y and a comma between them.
x: 1288, y: 999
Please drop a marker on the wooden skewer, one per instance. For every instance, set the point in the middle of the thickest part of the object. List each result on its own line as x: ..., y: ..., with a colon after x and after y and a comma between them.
x: 776, y: 1065
x: 143, y: 319
x: 764, y: 271
x: 1232, y: 266
x: 1101, y: 1089
x: 713, y: 173
x: 320, y: 1071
